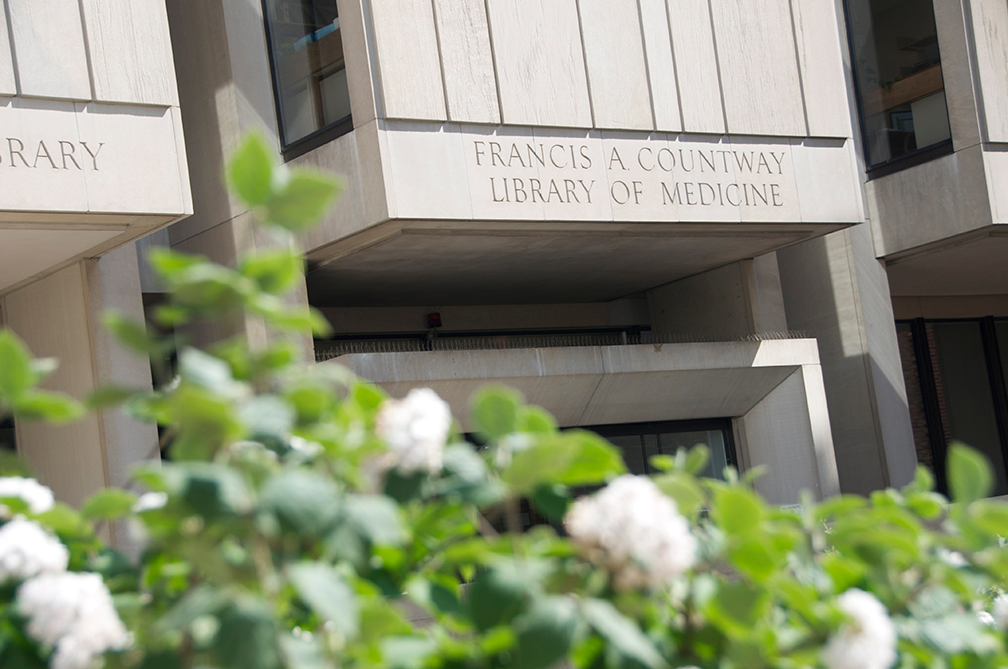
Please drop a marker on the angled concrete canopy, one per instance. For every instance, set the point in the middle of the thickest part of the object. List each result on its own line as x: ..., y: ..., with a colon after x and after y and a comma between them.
x: 597, y: 385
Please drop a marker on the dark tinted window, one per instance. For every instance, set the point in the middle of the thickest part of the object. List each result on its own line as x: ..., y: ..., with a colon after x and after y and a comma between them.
x: 306, y: 50
x: 894, y: 47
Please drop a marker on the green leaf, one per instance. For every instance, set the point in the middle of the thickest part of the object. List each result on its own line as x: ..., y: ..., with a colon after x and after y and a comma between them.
x: 927, y: 505
x: 205, y: 422
x: 49, y: 406
x: 311, y: 400
x: 304, y: 501
x: 291, y: 319
x: 161, y: 659
x: 210, y: 489
x: 571, y: 458
x: 697, y: 459
x: 211, y: 289
x: 376, y: 517
x: 407, y: 652
x: 545, y: 633
x: 11, y: 464
x: 108, y: 504
x: 839, y: 506
x: 204, y: 600
x: 435, y: 593
x: 275, y: 271
x: 131, y: 334
x: 301, y: 202
x: 462, y: 461
x: 536, y: 420
x: 250, y: 170
x: 328, y: 595
x: 495, y: 411
x: 756, y: 558
x: 168, y: 263
x: 622, y: 633
x: 208, y: 372
x: 736, y: 510
x: 498, y: 595
x: 683, y: 488
x: 991, y: 516
x: 737, y: 607
x: 969, y: 474
x: 552, y: 501
x: 268, y: 419
x: 16, y: 375
x: 247, y: 638
x: 958, y: 633
x: 923, y: 481
x: 368, y: 396
x: 845, y: 572
x: 107, y: 396
x: 66, y: 522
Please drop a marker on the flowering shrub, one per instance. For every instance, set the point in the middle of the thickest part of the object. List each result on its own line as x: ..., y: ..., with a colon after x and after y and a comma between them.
x: 302, y: 515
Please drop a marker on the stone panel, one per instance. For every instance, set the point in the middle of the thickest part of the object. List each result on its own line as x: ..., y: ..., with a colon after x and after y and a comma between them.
x: 661, y: 66
x: 142, y: 170
x: 696, y: 66
x: 63, y: 156
x: 500, y: 173
x: 408, y: 59
x: 540, y: 62
x: 759, y: 75
x: 617, y: 74
x: 990, y: 32
x: 49, y: 43
x: 7, y: 83
x: 470, y: 83
x: 821, y: 62
x: 130, y: 51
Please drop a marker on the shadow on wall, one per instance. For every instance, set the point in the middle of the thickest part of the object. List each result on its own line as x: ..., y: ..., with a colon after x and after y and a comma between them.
x: 822, y: 298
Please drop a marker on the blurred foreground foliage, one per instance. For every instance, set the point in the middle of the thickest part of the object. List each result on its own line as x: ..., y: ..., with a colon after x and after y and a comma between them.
x: 284, y: 531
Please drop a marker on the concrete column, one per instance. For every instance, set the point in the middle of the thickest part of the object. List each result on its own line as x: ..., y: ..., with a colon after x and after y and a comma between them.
x: 836, y: 291
x: 225, y: 91
x: 788, y: 433
x: 59, y: 316
x: 727, y: 303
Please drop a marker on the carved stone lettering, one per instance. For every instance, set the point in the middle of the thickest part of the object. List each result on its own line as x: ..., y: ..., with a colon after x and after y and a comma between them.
x: 50, y: 154
x: 641, y: 173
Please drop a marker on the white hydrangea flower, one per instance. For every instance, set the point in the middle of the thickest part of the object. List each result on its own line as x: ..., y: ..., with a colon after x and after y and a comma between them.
x: 1001, y: 611
x: 27, y: 550
x: 867, y: 640
x: 415, y: 428
x: 73, y: 614
x: 635, y: 530
x: 38, y: 497
x: 150, y: 501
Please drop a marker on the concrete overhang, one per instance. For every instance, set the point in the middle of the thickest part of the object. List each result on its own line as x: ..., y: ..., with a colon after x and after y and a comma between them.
x: 81, y: 178
x: 969, y: 264
x: 462, y: 213
x: 597, y: 385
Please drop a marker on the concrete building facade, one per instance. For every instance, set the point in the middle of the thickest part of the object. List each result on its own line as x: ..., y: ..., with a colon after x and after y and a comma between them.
x: 667, y: 220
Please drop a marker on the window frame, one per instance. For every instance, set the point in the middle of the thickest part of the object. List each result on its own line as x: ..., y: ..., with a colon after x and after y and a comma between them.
x: 313, y: 140
x: 929, y: 391
x: 907, y: 160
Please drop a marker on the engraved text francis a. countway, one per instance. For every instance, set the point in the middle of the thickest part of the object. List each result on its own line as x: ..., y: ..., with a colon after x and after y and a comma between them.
x: 669, y: 174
